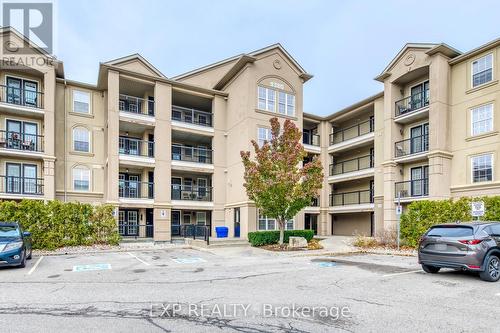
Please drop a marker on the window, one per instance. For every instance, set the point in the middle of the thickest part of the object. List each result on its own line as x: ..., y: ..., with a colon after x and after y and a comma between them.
x: 201, y: 218
x: 482, y: 70
x: 81, y: 139
x: 81, y: 178
x: 482, y: 119
x: 264, y: 134
x: 267, y: 101
x: 81, y: 101
x: 482, y: 168
x: 266, y: 223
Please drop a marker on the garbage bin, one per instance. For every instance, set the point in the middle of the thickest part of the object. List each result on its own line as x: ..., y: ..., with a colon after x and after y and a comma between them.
x: 221, y: 232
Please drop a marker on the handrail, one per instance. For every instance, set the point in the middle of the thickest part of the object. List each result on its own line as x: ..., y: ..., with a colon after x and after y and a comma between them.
x: 137, y: 105
x: 20, y: 96
x: 412, y: 103
x: 360, y: 163
x: 21, y: 185
x: 311, y: 139
x: 356, y: 130
x: 413, y: 145
x: 351, y: 198
x: 191, y: 116
x: 135, y: 147
x: 191, y: 154
x: 21, y: 141
x: 135, y: 189
x: 412, y: 188
x: 191, y: 192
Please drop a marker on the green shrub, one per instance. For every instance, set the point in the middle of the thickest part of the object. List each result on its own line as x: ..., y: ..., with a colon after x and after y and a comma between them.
x: 421, y: 215
x: 260, y: 238
x: 56, y: 224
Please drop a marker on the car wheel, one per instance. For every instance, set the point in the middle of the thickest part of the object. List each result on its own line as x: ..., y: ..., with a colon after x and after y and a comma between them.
x: 23, y: 261
x: 491, y: 272
x: 30, y: 255
x: 430, y: 269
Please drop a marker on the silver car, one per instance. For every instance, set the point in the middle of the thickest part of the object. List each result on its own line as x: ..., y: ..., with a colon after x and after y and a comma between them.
x: 463, y: 246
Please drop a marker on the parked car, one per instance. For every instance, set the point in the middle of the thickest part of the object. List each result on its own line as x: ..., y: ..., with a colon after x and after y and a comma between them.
x: 463, y: 246
x: 15, y: 245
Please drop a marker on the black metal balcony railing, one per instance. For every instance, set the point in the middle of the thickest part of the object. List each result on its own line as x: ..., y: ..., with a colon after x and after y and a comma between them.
x: 314, y: 202
x: 21, y: 185
x: 194, y: 231
x: 412, y: 103
x: 135, y: 147
x: 132, y: 189
x: 136, y: 231
x: 355, y: 164
x: 22, y: 97
x: 351, y: 198
x: 412, y: 188
x: 191, y: 116
x: 136, y: 105
x: 21, y: 141
x: 190, y: 192
x: 415, y: 145
x: 351, y: 132
x: 191, y: 154
x: 310, y: 139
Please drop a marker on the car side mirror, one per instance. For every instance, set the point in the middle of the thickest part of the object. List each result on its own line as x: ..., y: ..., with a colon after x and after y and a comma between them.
x: 26, y: 234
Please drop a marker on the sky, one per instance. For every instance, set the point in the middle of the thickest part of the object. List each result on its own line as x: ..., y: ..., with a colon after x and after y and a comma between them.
x: 344, y: 44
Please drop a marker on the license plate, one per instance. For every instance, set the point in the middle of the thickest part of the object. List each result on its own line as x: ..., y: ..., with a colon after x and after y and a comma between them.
x: 440, y: 247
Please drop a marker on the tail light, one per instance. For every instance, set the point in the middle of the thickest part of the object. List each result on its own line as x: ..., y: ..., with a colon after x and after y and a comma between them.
x: 471, y: 241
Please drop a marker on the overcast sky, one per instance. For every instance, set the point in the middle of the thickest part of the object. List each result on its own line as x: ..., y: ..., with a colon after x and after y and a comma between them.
x: 344, y: 44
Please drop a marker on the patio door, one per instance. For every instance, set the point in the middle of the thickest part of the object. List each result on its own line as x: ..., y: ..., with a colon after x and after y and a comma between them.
x: 128, y: 222
x: 13, y: 178
x: 14, y: 91
x: 176, y: 223
x: 202, y: 188
x: 22, y: 92
x: 29, y: 179
x: 30, y: 131
x: 419, y: 182
x: 419, y: 138
x: 176, y: 188
x: 14, y: 134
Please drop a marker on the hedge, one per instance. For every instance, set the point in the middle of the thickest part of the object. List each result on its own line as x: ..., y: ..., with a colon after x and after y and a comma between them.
x: 421, y: 215
x: 54, y: 224
x: 260, y: 238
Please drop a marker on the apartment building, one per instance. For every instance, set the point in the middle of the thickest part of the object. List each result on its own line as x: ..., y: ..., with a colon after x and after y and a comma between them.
x: 165, y: 151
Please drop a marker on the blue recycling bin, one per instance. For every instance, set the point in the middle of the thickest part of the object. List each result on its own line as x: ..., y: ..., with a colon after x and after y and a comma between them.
x: 221, y: 232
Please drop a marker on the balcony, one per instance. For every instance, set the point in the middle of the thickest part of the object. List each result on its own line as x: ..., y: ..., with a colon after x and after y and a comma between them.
x: 352, y: 169
x: 187, y: 158
x: 21, y: 186
x: 136, y: 109
x: 311, y: 142
x: 411, y: 149
x: 353, y: 136
x: 189, y: 118
x: 132, y: 189
x: 355, y: 201
x: 412, y: 108
x: 191, y: 193
x: 21, y: 98
x: 407, y: 190
x: 21, y: 143
x: 136, y: 152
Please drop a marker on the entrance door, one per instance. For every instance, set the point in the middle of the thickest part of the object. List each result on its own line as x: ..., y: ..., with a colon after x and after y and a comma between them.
x: 237, y: 222
x: 419, y: 181
x: 13, y: 178
x: 311, y: 222
x: 151, y: 180
x: 176, y: 188
x: 416, y: 139
x: 13, y: 91
x: 128, y: 222
x: 176, y: 223
x: 29, y: 179
x: 151, y: 140
x: 30, y: 93
x: 30, y: 131
x: 149, y: 223
x: 202, y: 188
x: 133, y: 186
x: 14, y: 134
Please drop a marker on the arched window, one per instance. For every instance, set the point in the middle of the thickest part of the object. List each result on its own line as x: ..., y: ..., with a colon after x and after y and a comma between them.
x: 81, y: 139
x: 81, y: 178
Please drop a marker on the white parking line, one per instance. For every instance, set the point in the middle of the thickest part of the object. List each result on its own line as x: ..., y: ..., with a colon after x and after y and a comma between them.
x: 145, y: 263
x: 35, y: 265
x: 403, y: 273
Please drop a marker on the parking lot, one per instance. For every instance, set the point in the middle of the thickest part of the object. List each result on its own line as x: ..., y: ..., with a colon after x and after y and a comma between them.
x: 179, y: 290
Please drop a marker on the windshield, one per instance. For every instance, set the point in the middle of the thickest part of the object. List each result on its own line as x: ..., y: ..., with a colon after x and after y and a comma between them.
x: 9, y: 231
x: 452, y: 231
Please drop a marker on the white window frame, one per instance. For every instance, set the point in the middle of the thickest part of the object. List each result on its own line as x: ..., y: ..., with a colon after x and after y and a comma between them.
x: 276, y: 227
x: 73, y: 132
x: 269, y: 135
x: 76, y: 98
x: 491, y: 119
x: 289, y: 109
x: 84, y: 171
x: 472, y: 159
x: 472, y: 70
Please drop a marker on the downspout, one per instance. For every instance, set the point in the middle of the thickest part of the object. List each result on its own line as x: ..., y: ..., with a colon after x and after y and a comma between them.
x: 65, y: 139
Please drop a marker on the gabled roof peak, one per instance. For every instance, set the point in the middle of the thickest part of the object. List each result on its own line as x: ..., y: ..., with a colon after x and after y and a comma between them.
x: 135, y: 56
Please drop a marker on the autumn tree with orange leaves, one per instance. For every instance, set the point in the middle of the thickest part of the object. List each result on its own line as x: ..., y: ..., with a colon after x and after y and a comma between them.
x: 275, y: 179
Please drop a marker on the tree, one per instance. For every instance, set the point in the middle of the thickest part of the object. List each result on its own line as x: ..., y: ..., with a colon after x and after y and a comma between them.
x: 275, y: 181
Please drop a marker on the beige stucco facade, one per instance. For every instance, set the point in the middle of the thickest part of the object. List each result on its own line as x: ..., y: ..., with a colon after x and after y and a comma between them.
x: 166, y: 151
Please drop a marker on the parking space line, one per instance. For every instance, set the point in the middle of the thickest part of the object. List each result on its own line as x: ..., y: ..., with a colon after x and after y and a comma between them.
x: 139, y: 259
x: 402, y: 273
x: 35, y: 265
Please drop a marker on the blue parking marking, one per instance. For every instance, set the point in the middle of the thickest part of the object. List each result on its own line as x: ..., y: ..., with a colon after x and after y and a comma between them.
x: 92, y: 267
x: 193, y: 260
x: 327, y: 264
